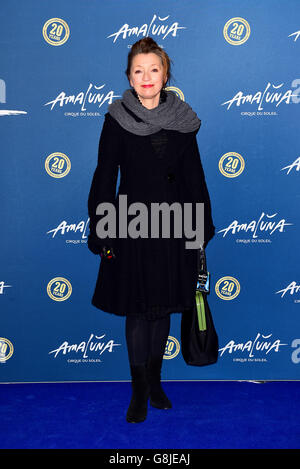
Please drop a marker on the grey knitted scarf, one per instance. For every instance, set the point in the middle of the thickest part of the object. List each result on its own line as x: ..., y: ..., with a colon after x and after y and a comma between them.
x: 171, y: 113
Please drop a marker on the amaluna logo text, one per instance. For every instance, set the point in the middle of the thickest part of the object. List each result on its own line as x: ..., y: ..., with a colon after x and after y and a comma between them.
x: 157, y: 27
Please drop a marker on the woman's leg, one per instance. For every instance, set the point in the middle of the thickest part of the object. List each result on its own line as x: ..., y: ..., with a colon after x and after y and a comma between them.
x: 137, y: 331
x: 146, y: 341
x: 159, y: 332
x: 146, y: 338
x: 138, y: 341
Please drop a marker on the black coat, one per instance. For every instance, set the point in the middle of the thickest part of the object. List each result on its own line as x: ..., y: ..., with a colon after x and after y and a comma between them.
x: 148, y: 276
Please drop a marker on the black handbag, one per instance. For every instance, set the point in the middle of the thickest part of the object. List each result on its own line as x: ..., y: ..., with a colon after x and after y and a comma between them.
x: 199, y: 340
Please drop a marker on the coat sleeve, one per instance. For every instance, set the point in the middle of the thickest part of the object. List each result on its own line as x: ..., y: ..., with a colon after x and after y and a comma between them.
x: 103, y: 186
x: 195, y: 183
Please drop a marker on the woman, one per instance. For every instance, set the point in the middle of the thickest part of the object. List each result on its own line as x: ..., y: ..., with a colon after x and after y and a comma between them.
x: 150, y: 134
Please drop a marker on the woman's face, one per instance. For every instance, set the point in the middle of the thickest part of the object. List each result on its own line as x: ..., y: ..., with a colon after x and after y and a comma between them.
x: 147, y: 69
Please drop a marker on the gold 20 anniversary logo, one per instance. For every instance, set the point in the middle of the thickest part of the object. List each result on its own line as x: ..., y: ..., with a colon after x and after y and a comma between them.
x: 59, y: 289
x: 6, y: 349
x: 176, y: 91
x: 172, y: 348
x: 56, y: 31
x: 236, y: 31
x: 227, y: 288
x: 231, y: 164
x: 57, y: 165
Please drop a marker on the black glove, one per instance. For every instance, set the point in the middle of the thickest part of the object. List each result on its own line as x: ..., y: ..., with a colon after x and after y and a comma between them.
x: 107, y: 252
x: 101, y: 247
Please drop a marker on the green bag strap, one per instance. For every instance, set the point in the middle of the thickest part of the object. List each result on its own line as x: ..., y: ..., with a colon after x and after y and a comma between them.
x: 200, y: 311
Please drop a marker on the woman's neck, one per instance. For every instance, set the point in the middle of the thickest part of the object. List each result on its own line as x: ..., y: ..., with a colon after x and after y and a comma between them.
x: 153, y: 104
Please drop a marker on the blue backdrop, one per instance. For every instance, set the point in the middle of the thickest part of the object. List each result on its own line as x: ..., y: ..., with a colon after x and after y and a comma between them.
x: 236, y: 63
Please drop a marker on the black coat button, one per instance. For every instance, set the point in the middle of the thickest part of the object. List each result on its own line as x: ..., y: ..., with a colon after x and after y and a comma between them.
x: 170, y: 177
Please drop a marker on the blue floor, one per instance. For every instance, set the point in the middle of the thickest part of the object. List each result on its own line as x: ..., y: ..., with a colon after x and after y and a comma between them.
x: 227, y: 415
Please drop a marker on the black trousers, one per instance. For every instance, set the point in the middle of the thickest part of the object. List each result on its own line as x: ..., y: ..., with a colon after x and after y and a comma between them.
x: 146, y: 338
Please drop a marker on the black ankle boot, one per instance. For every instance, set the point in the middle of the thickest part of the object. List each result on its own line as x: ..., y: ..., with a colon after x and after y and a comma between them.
x: 138, y: 407
x: 158, y: 397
